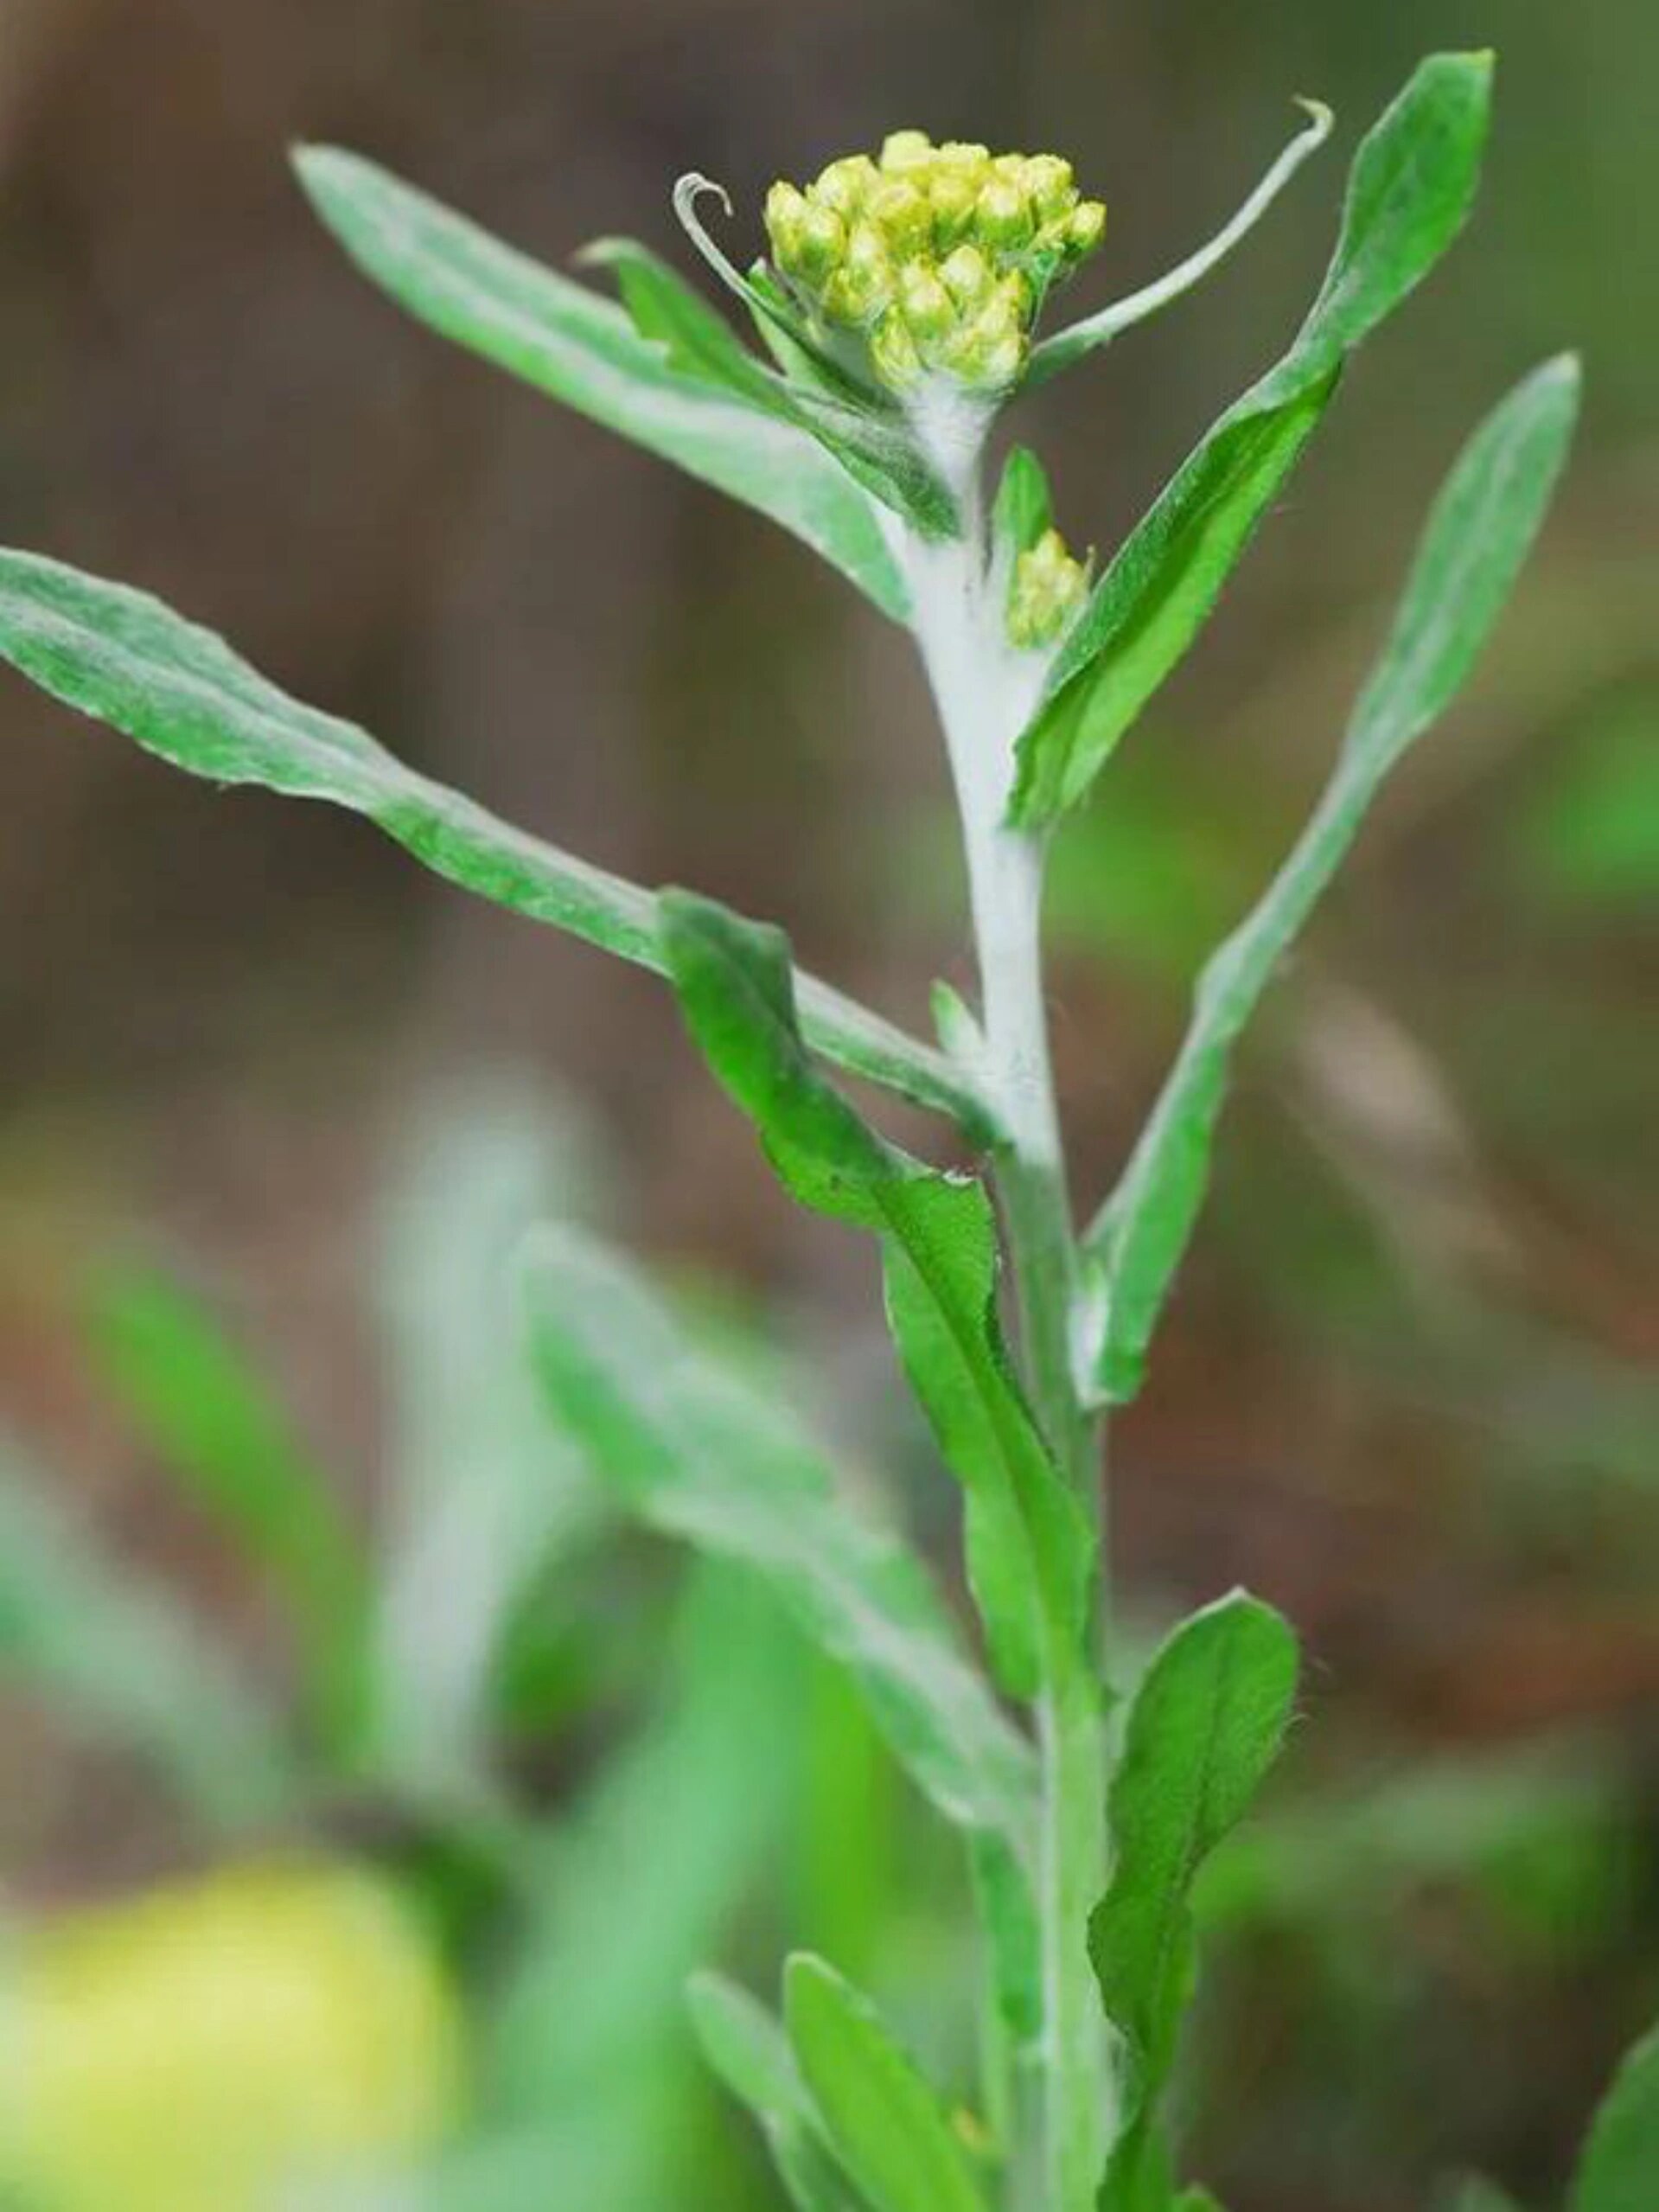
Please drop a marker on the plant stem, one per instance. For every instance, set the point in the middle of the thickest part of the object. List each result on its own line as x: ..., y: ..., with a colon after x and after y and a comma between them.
x: 984, y: 693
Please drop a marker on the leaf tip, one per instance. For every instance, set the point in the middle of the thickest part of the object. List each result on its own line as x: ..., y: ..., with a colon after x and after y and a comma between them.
x: 1321, y: 117
x: 805, y: 1976
x: 690, y: 189
x: 317, y: 165
x: 1565, y: 373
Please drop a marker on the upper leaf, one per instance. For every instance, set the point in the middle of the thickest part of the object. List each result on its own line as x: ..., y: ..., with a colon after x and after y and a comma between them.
x: 1066, y: 346
x: 748, y: 2051
x: 1204, y: 1727
x: 886, y: 2124
x: 682, y: 1821
x: 585, y: 350
x: 702, y: 1454
x: 1410, y: 190
x: 125, y: 659
x: 1482, y: 527
x: 1025, y: 504
x: 1028, y: 1548
x: 1619, y: 2169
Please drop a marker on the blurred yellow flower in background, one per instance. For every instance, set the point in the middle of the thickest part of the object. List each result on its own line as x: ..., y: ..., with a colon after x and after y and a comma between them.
x: 215, y: 2045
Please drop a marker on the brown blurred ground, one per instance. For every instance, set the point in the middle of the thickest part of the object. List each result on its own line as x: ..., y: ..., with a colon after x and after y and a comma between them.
x: 1429, y: 1272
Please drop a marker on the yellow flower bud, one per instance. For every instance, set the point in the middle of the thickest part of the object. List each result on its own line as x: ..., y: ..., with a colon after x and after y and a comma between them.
x: 989, y: 352
x: 1017, y: 294
x: 906, y: 150
x: 937, y: 256
x: 966, y: 276
x: 1047, y: 591
x: 808, y: 240
x: 844, y: 185
x: 1050, y: 187
x: 927, y: 307
x: 903, y: 214
x: 894, y: 351
x: 863, y: 284
x: 1004, y: 220
x: 1002, y: 352
x: 1085, y: 227
x: 953, y: 198
x: 785, y: 206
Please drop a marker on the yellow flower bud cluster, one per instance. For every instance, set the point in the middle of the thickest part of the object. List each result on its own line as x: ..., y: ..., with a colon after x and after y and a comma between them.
x: 936, y: 257
x: 1046, y: 591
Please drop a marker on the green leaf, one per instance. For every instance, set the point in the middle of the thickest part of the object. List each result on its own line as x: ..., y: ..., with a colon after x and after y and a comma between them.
x: 1066, y: 346
x: 668, y: 314
x: 1029, y: 1552
x: 1482, y: 527
x: 118, y: 1656
x: 215, y: 1423
x: 1410, y: 190
x: 888, y: 2127
x: 685, y: 1825
x: 489, y: 1510
x: 1025, y: 504
x: 1619, y: 2169
x: 748, y: 2050
x: 125, y: 659
x: 696, y: 1450
x: 583, y: 350
x: 1013, y: 1937
x: 1203, y: 1729
x: 1477, y: 2195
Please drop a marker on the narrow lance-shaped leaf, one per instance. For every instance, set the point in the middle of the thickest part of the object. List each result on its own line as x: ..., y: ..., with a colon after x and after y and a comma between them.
x: 582, y: 349
x: 1482, y: 526
x: 1012, y: 1937
x: 219, y: 1427
x: 1028, y: 1549
x: 1410, y: 190
x: 115, y: 1653
x: 682, y: 1821
x: 749, y: 2052
x: 126, y: 659
x: 1065, y: 346
x: 1619, y: 2169
x: 697, y: 1452
x: 487, y: 1512
x: 1025, y: 504
x: 1204, y: 1727
x: 884, y: 2121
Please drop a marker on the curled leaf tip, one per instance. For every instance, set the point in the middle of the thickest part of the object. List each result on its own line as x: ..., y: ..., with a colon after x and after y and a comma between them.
x: 690, y: 188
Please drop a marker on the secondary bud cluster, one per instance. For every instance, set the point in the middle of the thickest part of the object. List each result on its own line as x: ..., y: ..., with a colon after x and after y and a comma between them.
x: 1047, y: 590
x: 936, y: 257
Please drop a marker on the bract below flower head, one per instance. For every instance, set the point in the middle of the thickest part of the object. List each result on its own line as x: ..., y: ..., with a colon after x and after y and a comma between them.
x: 932, y: 261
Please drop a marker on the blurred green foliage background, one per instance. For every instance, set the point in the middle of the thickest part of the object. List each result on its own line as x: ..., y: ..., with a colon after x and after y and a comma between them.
x: 1411, y: 1389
